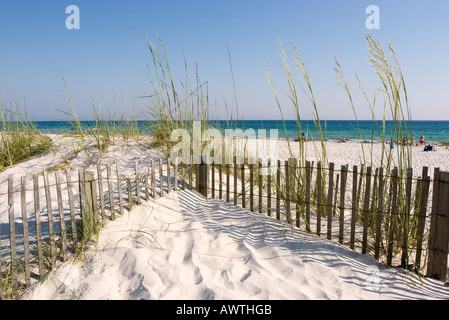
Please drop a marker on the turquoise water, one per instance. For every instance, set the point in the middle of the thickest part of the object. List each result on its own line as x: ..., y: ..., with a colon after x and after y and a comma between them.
x: 434, y: 131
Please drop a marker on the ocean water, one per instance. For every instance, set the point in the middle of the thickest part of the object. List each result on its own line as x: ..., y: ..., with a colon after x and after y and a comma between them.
x: 434, y: 131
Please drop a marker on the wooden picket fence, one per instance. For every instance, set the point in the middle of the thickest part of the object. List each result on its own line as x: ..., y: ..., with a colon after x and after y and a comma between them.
x: 360, y: 208
x: 393, y: 217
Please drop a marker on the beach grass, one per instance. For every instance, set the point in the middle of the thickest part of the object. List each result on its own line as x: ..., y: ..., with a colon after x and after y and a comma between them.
x: 20, y: 138
x: 393, y: 100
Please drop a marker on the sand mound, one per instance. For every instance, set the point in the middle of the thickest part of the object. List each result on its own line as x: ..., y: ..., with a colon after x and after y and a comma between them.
x: 187, y: 247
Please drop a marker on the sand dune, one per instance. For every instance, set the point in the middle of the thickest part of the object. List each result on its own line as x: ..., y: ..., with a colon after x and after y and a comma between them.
x: 185, y: 247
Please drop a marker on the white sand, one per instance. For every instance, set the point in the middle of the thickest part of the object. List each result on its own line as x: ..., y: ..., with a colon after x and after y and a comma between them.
x: 186, y: 247
x: 353, y: 153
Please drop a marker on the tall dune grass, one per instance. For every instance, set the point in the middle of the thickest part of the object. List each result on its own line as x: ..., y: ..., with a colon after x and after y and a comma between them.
x: 175, y: 101
x: 20, y: 139
x: 394, y: 103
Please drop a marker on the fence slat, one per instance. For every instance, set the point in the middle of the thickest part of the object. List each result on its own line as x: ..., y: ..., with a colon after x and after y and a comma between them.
x: 71, y: 205
x: 228, y: 181
x: 37, y: 214
x: 120, y: 192
x: 50, y: 219
x: 147, y: 186
x: 394, y: 178
x: 235, y: 180
x: 153, y: 179
x: 344, y: 176
x: 353, y: 207
x: 95, y: 201
x: 191, y: 174
x: 203, y: 178
x: 12, y: 227
x: 213, y: 180
x: 330, y: 196
x: 220, y: 181
x: 379, y: 217
x: 287, y: 191
x: 26, y: 234
x: 319, y: 196
x: 161, y: 178
x: 130, y: 193
x: 243, y: 186
x: 136, y: 169
x: 61, y: 217
x: 423, y: 198
x: 278, y: 193
x: 308, y: 187
x: 168, y: 176
x: 366, y: 210
x: 408, y: 199
x: 183, y: 173
x: 269, y: 177
x: 176, y: 175
x: 101, y: 191
x: 251, y: 187
x: 110, y: 190
x: 260, y: 187
x: 297, y: 185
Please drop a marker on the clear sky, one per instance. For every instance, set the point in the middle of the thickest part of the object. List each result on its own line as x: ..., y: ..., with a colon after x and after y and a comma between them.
x: 106, y: 58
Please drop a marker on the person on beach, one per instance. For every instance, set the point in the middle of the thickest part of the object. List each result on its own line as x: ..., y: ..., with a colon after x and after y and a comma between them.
x: 404, y: 141
x: 304, y: 136
x: 421, y: 140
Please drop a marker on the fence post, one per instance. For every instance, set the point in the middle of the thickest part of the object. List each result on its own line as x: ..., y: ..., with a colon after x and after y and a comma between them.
x: 439, y: 227
x: 202, y: 178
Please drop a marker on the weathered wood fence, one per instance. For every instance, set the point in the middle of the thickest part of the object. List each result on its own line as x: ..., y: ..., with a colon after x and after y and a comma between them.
x: 390, y: 215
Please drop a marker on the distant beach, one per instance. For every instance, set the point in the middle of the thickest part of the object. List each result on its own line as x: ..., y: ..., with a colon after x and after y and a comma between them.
x: 435, y: 132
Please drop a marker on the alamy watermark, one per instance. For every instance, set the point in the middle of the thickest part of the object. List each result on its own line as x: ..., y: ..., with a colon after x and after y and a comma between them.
x: 373, y: 20
x: 211, y: 146
x: 73, y: 20
x: 372, y: 282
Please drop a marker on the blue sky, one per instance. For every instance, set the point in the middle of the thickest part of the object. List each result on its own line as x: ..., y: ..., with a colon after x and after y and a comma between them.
x: 106, y: 58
